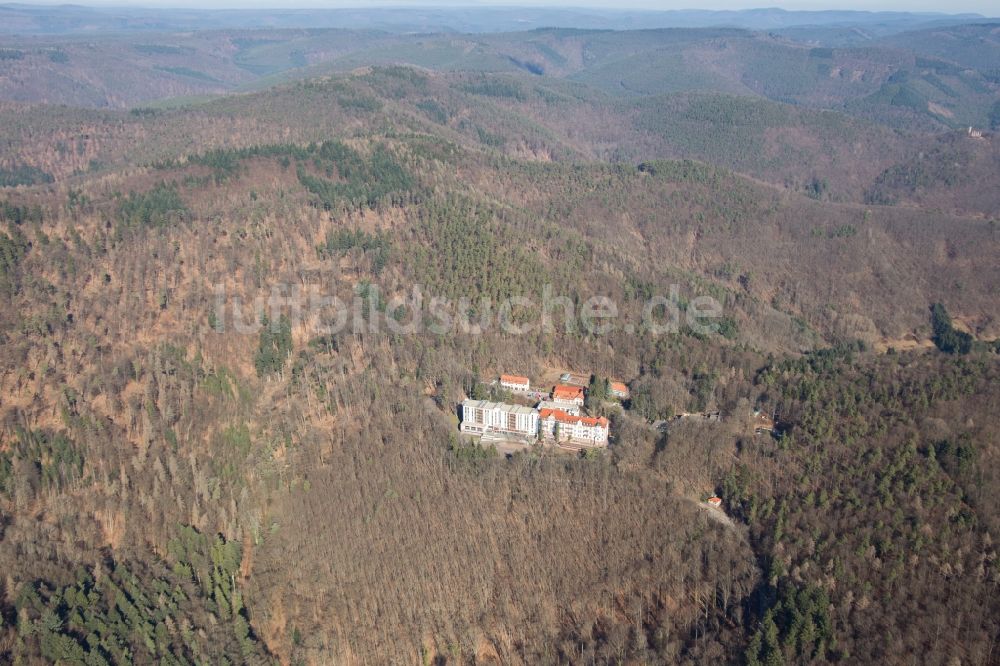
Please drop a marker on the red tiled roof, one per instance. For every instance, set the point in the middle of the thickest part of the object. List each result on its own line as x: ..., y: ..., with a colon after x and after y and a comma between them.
x: 514, y: 379
x: 618, y: 386
x: 563, y: 392
x: 563, y: 417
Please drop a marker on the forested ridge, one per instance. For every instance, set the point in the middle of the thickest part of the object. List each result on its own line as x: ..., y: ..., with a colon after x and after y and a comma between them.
x: 180, y: 486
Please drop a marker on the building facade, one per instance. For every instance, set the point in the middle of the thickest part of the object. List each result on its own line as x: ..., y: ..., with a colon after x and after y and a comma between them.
x: 481, y: 416
x: 568, y: 394
x: 557, y: 425
x: 515, y: 383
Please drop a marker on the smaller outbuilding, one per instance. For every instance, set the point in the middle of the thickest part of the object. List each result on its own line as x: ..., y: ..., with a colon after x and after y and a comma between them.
x: 619, y: 390
x: 569, y: 394
x: 568, y: 407
x: 515, y: 383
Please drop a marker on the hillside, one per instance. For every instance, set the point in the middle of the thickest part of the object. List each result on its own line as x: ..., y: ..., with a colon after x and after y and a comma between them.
x: 822, y: 154
x: 238, y: 331
x: 974, y: 46
x: 122, y: 72
x: 899, y: 83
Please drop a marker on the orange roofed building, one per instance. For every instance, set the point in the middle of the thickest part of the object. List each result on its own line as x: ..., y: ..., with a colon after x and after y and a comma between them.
x: 619, y: 390
x: 557, y: 425
x: 571, y: 394
x: 515, y: 383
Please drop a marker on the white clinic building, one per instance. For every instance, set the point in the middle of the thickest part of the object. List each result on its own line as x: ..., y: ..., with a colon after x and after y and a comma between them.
x: 482, y: 416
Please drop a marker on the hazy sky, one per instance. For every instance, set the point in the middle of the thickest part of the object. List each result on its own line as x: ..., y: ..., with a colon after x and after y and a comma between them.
x: 987, y: 8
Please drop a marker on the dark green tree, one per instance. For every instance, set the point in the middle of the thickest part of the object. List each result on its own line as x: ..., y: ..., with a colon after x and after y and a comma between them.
x: 946, y: 338
x: 275, y: 346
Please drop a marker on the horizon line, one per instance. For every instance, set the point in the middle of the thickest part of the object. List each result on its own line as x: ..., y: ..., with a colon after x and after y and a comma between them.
x: 379, y: 5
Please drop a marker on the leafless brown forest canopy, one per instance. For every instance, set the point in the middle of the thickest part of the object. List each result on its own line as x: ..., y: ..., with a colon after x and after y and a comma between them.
x: 175, y: 491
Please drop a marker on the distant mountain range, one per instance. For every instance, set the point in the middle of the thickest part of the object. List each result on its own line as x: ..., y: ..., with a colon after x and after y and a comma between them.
x: 928, y: 79
x: 75, y: 19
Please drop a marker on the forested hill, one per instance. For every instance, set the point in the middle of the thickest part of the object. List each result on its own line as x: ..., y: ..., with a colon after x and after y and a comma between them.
x: 945, y: 77
x: 194, y: 469
x: 826, y: 155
